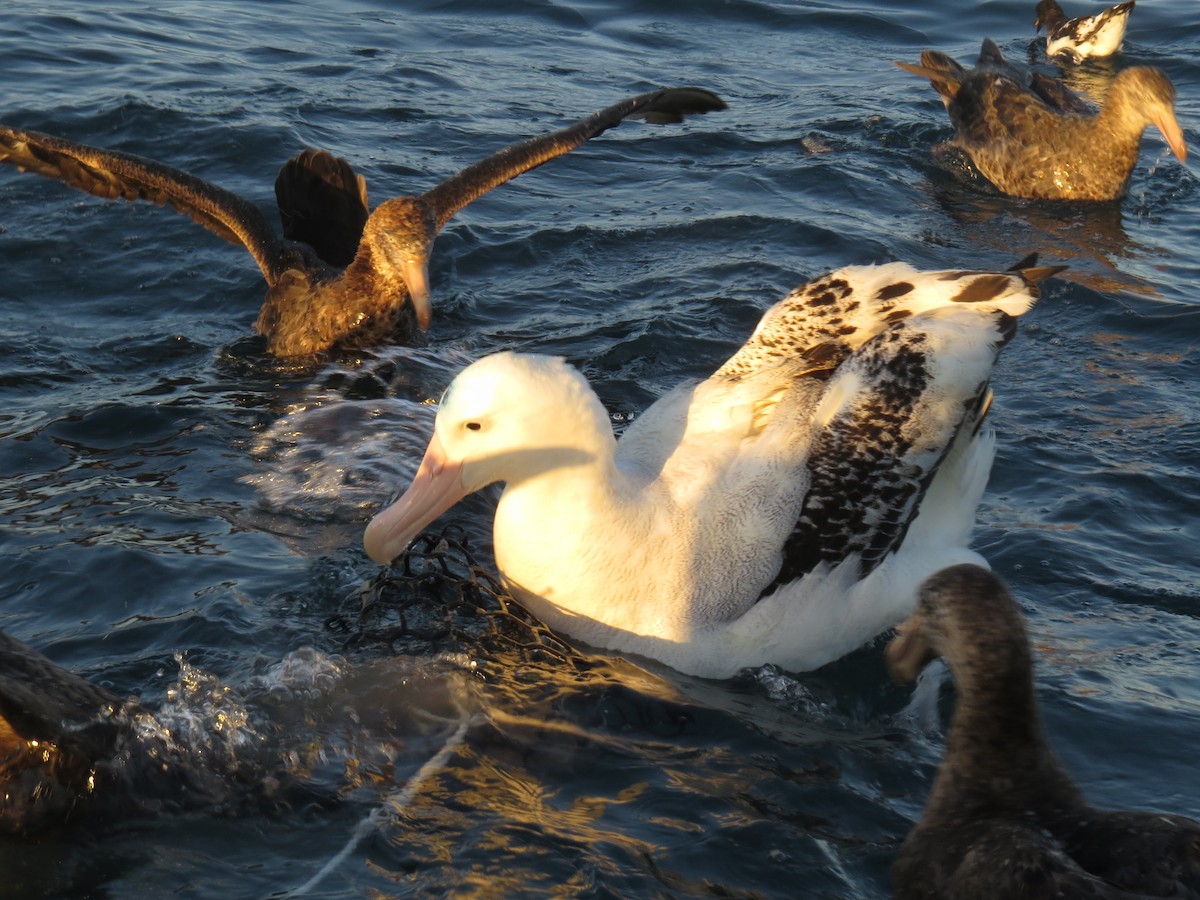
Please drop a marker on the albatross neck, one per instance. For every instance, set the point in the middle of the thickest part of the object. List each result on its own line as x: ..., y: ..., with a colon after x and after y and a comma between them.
x: 569, y: 530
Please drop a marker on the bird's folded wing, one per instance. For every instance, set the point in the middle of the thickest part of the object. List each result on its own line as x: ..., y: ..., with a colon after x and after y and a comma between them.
x: 886, y: 422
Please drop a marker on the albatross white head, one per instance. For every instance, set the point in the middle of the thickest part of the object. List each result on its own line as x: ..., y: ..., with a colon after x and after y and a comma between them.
x: 508, y: 417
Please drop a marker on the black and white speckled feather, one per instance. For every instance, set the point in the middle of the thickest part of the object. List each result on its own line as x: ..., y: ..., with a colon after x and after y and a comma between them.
x: 783, y: 510
x: 821, y: 322
x: 1098, y: 35
x: 887, y: 421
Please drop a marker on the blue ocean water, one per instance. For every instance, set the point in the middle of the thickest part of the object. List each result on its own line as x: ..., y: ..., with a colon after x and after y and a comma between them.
x: 182, y: 515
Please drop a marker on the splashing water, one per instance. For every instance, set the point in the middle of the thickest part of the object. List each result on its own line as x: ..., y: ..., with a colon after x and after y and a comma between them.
x: 922, y: 706
x: 303, y: 674
x: 203, y: 716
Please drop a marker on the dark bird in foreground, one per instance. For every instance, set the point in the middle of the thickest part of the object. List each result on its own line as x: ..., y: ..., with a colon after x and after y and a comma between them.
x: 342, y: 276
x: 1031, y: 137
x: 1098, y: 35
x: 1004, y: 820
x: 73, y: 752
x: 54, y: 729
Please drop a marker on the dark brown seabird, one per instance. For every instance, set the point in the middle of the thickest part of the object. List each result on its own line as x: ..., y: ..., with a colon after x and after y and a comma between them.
x: 57, y: 732
x: 342, y: 276
x: 1004, y: 820
x: 1031, y: 137
x: 74, y: 753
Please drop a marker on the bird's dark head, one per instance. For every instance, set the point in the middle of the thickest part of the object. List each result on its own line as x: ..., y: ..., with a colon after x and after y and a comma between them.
x: 399, y: 237
x: 966, y: 616
x: 1049, y: 15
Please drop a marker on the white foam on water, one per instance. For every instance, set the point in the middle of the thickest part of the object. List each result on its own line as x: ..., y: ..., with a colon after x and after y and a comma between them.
x: 331, y: 455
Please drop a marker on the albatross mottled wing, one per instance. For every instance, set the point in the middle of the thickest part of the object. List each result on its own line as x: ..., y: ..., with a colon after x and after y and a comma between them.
x: 821, y: 322
x: 110, y: 174
x: 666, y: 106
x: 1098, y: 35
x: 887, y: 420
x: 906, y: 356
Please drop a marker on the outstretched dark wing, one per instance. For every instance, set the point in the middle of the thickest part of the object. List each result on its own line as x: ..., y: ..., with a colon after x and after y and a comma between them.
x: 111, y: 175
x: 322, y: 203
x: 666, y: 106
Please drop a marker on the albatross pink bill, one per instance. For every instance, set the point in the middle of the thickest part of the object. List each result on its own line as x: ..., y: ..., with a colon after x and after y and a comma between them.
x: 435, y: 488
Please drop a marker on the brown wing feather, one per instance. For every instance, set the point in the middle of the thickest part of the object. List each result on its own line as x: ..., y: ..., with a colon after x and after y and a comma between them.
x: 113, y: 175
x: 669, y: 105
x: 1058, y: 96
x: 948, y: 76
x: 992, y: 110
x: 323, y: 203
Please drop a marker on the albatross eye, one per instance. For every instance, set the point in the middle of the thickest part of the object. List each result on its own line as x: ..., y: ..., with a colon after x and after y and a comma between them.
x: 473, y: 426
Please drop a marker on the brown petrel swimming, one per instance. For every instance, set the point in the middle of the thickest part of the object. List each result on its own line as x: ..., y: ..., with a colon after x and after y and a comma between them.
x: 342, y: 276
x: 1004, y: 820
x: 1031, y: 137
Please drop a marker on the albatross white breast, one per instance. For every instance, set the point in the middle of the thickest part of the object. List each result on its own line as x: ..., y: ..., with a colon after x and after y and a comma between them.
x: 782, y: 511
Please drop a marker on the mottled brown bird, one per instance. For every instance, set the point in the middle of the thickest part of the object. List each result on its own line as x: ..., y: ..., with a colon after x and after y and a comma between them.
x: 342, y: 275
x: 1004, y: 820
x: 73, y: 752
x: 1031, y: 137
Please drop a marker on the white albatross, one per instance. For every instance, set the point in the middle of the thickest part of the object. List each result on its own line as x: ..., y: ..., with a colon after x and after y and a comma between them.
x: 784, y: 510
